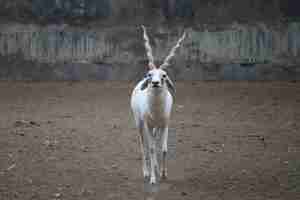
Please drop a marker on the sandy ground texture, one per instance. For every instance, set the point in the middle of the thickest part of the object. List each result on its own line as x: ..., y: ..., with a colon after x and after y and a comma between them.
x: 77, y: 140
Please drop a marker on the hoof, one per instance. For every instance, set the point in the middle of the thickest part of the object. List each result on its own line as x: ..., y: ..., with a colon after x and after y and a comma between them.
x: 152, y: 181
x: 163, y: 175
x: 146, y: 177
x: 146, y: 174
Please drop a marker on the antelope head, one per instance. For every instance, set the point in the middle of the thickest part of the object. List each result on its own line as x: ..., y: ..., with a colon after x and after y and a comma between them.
x: 157, y: 77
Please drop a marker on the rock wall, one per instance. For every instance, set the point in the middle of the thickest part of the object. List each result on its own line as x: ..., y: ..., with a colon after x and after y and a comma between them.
x: 236, y: 43
x: 198, y: 10
x: 122, y: 47
x: 102, y: 39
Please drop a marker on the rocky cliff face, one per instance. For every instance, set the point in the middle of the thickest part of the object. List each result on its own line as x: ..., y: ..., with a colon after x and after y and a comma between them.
x: 203, y: 10
x: 52, y: 45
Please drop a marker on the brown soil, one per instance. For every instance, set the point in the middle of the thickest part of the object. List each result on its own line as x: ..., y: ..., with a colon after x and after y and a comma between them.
x: 77, y: 140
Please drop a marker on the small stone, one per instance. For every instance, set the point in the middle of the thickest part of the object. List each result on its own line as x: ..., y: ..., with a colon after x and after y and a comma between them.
x: 114, y: 166
x: 114, y: 126
x: 84, y: 148
x: 19, y: 132
x: 57, y: 195
x: 33, y: 123
x: 19, y: 123
x: 47, y: 142
x: 183, y: 193
x: 29, y: 180
x: 196, y: 125
x: 11, y: 167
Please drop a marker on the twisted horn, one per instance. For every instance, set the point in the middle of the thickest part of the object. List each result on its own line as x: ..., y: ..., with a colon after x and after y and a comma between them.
x: 148, y: 49
x: 172, y: 52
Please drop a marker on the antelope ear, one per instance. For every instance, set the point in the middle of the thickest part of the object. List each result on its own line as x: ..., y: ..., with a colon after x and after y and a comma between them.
x: 170, y: 85
x: 145, y: 84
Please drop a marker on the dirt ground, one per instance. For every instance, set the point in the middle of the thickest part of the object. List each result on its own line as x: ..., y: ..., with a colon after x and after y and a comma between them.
x: 77, y: 140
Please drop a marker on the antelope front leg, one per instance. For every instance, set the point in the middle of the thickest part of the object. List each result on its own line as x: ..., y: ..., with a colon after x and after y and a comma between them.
x: 155, y: 134
x: 145, y: 166
x: 163, y: 172
x: 153, y: 161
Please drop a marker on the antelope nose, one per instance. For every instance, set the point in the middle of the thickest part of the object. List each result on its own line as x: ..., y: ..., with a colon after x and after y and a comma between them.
x: 155, y: 83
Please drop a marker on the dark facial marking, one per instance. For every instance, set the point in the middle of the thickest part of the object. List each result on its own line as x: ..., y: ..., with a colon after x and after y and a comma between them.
x: 171, y: 86
x: 145, y: 84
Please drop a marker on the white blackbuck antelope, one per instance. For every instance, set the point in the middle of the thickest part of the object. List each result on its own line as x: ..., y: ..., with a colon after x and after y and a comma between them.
x: 151, y: 103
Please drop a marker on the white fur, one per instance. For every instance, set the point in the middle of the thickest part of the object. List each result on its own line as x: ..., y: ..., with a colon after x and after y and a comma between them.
x: 152, y: 109
x: 151, y: 104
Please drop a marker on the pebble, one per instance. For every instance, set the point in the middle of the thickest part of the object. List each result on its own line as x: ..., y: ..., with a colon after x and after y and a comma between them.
x: 183, y: 193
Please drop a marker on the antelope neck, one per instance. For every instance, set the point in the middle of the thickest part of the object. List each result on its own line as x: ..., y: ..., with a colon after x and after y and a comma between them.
x: 156, y: 98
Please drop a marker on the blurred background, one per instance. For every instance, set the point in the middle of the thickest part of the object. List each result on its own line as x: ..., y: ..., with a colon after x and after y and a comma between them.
x: 102, y: 39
